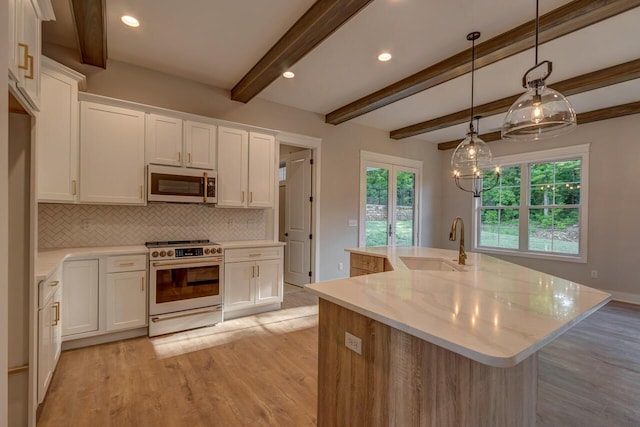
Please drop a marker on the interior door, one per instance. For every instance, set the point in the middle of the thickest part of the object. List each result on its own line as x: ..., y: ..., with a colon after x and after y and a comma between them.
x: 297, y: 251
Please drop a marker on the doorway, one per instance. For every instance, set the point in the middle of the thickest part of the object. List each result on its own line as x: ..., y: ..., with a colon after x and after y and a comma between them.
x: 298, y: 207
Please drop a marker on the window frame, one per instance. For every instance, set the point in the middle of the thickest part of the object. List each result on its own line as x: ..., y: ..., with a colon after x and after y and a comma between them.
x: 393, y: 163
x: 525, y: 160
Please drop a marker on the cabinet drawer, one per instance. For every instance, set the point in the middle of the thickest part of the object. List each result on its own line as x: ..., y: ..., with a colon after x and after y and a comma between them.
x: 47, y: 287
x: 372, y: 264
x: 253, y: 254
x: 121, y: 263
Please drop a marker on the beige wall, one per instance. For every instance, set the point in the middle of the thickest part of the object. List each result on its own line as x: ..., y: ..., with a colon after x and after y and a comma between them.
x: 4, y: 202
x: 614, y: 203
x: 341, y: 144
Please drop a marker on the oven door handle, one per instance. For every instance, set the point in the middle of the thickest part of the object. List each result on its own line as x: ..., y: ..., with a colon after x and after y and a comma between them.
x: 188, y: 263
x: 157, y: 319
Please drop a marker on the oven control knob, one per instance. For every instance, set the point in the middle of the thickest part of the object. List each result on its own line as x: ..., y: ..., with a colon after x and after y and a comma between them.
x: 207, y: 250
x: 219, y: 250
x: 154, y: 254
x: 170, y: 253
x: 163, y: 253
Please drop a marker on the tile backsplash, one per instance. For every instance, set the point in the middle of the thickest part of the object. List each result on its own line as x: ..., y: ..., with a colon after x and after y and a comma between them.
x: 61, y: 226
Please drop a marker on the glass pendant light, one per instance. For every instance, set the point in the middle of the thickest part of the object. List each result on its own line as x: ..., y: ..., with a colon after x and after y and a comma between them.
x: 541, y: 112
x: 472, y: 159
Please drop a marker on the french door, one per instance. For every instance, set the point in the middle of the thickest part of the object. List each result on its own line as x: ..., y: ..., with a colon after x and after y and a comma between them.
x: 388, y: 204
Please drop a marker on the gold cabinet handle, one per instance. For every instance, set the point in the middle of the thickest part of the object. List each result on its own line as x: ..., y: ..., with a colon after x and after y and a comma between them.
x: 189, y: 158
x: 56, y: 306
x: 253, y: 271
x: 30, y: 61
x: 142, y: 284
x: 251, y: 197
x: 258, y: 270
x: 141, y: 192
x: 126, y: 264
x: 74, y: 187
x: 25, y: 58
x: 255, y: 254
x: 242, y: 197
x: 54, y: 283
x: 178, y: 156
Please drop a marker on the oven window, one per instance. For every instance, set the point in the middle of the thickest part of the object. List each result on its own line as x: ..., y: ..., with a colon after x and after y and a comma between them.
x: 179, y: 284
x: 177, y: 185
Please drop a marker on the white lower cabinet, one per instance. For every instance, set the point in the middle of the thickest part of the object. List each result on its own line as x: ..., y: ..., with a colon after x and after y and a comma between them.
x: 80, y: 296
x: 49, y: 335
x: 126, y: 300
x: 252, y: 280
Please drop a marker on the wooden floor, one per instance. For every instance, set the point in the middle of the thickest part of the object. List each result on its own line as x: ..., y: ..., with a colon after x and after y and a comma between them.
x: 262, y: 371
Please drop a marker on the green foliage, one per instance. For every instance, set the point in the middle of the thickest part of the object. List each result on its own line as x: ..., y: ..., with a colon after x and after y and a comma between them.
x: 378, y: 187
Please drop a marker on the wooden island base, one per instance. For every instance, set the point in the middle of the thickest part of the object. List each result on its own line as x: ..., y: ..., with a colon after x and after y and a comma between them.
x: 401, y: 380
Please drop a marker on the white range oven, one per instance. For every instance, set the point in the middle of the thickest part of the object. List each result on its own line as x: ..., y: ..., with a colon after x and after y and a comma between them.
x: 185, y: 285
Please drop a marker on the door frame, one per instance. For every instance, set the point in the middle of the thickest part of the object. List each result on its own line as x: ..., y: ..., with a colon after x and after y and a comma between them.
x: 314, y: 144
x: 368, y: 157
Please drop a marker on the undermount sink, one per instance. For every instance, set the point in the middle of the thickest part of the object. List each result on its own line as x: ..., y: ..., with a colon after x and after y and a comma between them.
x: 430, y: 264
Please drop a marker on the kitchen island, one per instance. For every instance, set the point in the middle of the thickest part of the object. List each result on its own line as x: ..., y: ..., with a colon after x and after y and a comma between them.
x: 441, y: 344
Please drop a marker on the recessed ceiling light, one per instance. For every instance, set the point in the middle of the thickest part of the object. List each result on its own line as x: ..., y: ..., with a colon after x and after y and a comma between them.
x: 130, y: 21
x: 384, y: 57
x: 288, y: 75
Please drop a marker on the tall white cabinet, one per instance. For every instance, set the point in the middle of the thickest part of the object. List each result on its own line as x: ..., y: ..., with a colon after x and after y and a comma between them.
x: 246, y: 169
x: 111, y: 154
x: 58, y: 145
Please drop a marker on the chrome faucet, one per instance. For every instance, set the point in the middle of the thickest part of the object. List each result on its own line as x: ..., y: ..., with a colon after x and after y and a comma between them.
x: 462, y: 256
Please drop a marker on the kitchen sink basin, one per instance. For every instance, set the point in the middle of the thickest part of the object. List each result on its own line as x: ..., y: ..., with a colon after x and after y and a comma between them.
x: 430, y: 264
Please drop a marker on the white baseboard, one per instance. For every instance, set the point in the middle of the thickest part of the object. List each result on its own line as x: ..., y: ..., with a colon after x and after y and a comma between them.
x: 624, y: 296
x: 104, y: 338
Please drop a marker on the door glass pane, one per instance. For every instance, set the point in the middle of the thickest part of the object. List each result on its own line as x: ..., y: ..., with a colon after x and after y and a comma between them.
x: 377, y: 215
x: 405, y: 208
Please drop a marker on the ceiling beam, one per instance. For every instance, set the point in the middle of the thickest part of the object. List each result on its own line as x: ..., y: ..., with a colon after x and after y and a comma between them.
x: 559, y: 22
x: 583, y: 118
x: 573, y: 86
x: 89, y: 17
x: 317, y: 23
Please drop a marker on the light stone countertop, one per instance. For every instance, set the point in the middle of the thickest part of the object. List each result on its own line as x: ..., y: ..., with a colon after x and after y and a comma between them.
x: 249, y: 243
x: 494, y: 312
x: 47, y: 260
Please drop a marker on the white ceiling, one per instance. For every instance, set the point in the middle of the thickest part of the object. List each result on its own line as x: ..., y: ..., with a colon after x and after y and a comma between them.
x: 217, y: 41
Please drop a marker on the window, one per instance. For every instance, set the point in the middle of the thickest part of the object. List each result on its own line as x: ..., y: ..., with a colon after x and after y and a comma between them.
x: 538, y: 208
x: 389, y: 200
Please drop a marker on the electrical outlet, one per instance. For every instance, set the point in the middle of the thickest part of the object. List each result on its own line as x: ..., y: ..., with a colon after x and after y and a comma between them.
x: 594, y: 274
x: 340, y: 266
x: 353, y: 223
x: 352, y: 342
x: 87, y: 224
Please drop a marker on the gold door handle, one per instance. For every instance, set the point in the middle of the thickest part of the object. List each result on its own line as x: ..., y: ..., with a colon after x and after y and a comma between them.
x: 56, y: 306
x: 25, y: 58
x: 30, y: 61
x: 74, y: 187
x: 142, y: 284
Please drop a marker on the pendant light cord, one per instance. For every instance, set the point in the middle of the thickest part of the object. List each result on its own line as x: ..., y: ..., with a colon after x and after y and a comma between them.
x: 537, y: 29
x: 473, y: 68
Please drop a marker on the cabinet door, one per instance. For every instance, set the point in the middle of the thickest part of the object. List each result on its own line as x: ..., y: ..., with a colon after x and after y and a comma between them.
x: 200, y: 145
x: 80, y: 297
x: 239, y: 289
x: 232, y: 167
x: 164, y: 140
x: 111, y: 155
x: 28, y: 50
x: 261, y: 170
x: 45, y: 350
x: 126, y: 300
x: 58, y: 144
x: 268, y: 280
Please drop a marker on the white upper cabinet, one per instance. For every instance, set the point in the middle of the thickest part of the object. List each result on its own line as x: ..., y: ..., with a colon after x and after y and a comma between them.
x: 57, y: 142
x: 246, y: 169
x: 164, y: 140
x: 112, y: 168
x: 24, y: 48
x: 261, y: 170
x: 200, y: 145
x: 172, y: 142
x: 233, y: 146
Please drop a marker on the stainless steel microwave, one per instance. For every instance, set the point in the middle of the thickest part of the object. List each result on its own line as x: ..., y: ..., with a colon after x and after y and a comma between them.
x: 181, y: 185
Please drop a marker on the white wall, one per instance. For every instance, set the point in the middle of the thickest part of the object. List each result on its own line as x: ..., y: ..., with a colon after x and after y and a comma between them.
x: 341, y: 144
x: 4, y: 217
x: 614, y: 203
